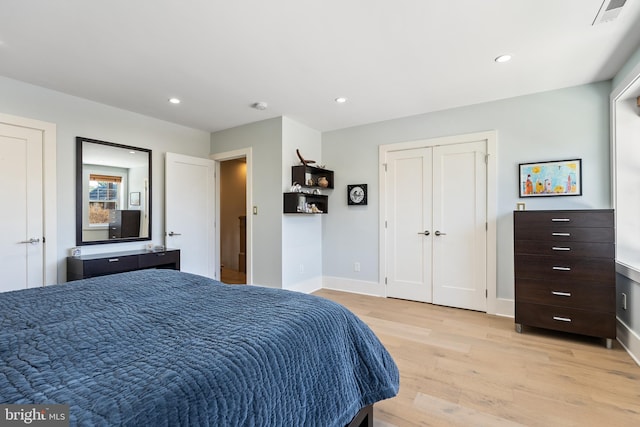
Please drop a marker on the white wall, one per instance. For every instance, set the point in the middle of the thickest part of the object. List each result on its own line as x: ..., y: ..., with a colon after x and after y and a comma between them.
x: 561, y: 124
x: 626, y: 87
x: 301, y: 234
x: 266, y: 139
x: 80, y: 117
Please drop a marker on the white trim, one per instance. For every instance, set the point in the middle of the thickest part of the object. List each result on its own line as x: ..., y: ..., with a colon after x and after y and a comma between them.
x: 629, y: 340
x: 491, y: 138
x: 353, y: 286
x: 247, y: 153
x: 307, y: 286
x: 49, y: 166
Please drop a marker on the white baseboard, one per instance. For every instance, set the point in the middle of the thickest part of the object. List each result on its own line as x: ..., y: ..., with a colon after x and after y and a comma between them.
x: 505, y: 307
x: 353, y: 286
x: 629, y: 340
x: 307, y: 286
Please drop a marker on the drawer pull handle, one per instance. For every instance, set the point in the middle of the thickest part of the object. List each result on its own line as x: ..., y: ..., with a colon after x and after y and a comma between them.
x: 560, y: 248
x: 561, y: 319
x: 561, y: 234
x: 114, y: 259
x: 161, y: 254
x: 562, y: 268
x: 561, y: 294
x: 560, y: 219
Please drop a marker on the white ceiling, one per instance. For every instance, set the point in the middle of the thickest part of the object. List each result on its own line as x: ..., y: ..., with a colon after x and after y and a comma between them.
x: 389, y: 58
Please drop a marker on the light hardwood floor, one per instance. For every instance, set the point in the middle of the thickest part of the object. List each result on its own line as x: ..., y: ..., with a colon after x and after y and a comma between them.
x: 464, y: 368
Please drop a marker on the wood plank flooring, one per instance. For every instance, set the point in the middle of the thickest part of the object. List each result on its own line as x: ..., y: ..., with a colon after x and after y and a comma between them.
x: 464, y: 368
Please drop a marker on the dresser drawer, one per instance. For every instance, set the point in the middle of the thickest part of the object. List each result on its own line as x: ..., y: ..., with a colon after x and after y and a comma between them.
x: 582, y: 295
x: 593, y: 323
x: 115, y: 264
x: 565, y: 249
x: 577, y: 218
x: 565, y: 268
x: 566, y: 234
x: 168, y: 259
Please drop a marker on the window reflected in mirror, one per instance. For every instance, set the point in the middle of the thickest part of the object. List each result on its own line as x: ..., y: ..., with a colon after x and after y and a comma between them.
x: 113, y: 193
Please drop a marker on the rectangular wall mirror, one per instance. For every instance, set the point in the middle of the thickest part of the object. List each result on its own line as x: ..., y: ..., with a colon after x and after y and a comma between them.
x: 113, y: 192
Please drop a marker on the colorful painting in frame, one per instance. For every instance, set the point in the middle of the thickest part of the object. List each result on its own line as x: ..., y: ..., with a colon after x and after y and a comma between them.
x: 555, y: 178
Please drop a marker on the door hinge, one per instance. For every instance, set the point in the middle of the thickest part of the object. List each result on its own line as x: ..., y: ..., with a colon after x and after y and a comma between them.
x: 486, y: 159
x: 486, y: 226
x: 44, y: 240
x: 385, y: 223
x: 385, y: 281
x: 486, y: 293
x: 385, y: 166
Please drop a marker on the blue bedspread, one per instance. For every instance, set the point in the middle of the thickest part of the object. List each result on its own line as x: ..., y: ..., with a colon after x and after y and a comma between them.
x: 165, y: 348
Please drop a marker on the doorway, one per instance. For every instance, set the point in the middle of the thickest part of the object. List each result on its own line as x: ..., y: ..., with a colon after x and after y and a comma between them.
x: 234, y: 214
x: 438, y: 221
x: 233, y: 221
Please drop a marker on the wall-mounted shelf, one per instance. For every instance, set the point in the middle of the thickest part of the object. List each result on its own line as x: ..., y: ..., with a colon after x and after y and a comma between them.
x: 301, y: 203
x: 308, y: 176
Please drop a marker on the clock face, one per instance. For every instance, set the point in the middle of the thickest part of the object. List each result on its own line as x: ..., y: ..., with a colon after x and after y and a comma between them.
x: 357, y: 194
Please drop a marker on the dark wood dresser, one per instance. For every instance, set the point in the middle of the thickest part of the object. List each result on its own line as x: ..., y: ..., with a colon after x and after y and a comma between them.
x: 565, y: 271
x: 86, y: 266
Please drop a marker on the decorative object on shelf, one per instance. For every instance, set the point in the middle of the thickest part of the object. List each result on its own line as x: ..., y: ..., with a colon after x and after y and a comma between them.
x: 554, y: 178
x: 303, y: 160
x: 296, y: 188
x: 357, y: 194
x: 310, y: 182
x: 323, y: 182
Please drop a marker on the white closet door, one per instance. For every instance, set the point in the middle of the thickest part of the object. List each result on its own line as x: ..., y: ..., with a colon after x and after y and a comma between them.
x: 190, y: 212
x: 409, y: 231
x: 436, y: 210
x: 21, y: 221
x: 459, y: 223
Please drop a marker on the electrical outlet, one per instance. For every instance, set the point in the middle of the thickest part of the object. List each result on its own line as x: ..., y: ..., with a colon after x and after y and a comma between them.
x: 624, y: 301
x: 356, y: 266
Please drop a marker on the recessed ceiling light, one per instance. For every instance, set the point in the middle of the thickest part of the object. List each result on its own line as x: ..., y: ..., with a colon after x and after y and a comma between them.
x: 174, y: 100
x: 503, y: 58
x: 341, y: 100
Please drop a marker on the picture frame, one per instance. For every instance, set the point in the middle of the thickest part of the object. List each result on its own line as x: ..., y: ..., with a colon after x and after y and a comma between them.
x: 357, y: 194
x: 550, y: 178
x: 134, y: 198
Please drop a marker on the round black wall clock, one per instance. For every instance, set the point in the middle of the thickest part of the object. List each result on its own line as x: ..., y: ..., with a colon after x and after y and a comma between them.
x: 357, y: 194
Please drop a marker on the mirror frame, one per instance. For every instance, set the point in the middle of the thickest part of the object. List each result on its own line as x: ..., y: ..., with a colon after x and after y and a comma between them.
x: 79, y: 192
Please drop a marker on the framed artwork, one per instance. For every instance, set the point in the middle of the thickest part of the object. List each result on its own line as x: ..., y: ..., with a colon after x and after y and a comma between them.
x: 357, y: 194
x: 554, y: 178
x: 134, y: 198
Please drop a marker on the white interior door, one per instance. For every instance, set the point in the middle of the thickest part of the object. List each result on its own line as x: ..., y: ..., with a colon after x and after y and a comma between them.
x: 409, y: 224
x: 21, y: 221
x: 190, y: 212
x: 440, y: 192
x: 459, y: 222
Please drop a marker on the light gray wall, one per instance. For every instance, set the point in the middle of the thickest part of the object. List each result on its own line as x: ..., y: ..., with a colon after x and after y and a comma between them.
x: 301, y: 234
x: 555, y: 125
x: 80, y: 117
x: 265, y: 138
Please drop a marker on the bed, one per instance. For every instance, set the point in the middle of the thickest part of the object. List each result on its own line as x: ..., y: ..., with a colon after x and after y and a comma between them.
x: 167, y: 348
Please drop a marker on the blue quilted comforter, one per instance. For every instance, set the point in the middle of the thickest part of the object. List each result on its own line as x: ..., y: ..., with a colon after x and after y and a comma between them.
x: 165, y: 348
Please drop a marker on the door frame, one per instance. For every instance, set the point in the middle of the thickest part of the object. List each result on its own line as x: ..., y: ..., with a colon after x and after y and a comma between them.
x: 490, y: 137
x: 231, y: 155
x: 49, y: 202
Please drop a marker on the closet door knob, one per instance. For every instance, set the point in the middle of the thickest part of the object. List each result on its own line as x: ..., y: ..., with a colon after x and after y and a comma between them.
x: 426, y: 233
x: 439, y: 233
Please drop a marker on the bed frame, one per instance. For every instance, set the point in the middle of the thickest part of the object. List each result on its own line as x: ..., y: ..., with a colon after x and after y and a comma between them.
x: 364, y: 418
